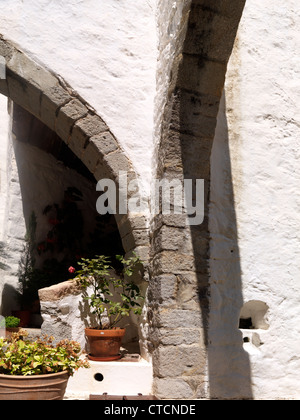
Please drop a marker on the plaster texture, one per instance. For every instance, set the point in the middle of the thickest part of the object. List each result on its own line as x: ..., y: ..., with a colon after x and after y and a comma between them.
x: 107, y: 51
x: 4, y: 121
x: 119, y: 378
x: 123, y: 58
x: 254, y: 212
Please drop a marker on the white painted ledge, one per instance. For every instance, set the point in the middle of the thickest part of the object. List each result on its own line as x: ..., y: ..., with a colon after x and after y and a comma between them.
x: 119, y: 378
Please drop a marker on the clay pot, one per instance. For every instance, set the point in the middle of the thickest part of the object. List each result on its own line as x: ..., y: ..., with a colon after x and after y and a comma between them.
x: 104, y: 345
x: 10, y: 331
x: 39, y: 387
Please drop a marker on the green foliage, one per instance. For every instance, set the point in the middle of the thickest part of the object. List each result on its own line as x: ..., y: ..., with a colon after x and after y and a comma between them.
x: 112, y: 298
x: 20, y: 357
x: 10, y: 322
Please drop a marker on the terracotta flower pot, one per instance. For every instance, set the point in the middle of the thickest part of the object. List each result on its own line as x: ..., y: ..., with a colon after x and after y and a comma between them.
x: 39, y: 387
x: 10, y: 331
x: 104, y: 345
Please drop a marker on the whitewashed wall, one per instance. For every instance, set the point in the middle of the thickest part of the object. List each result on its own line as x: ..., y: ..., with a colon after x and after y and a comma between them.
x: 107, y: 51
x: 255, y: 243
x: 4, y: 128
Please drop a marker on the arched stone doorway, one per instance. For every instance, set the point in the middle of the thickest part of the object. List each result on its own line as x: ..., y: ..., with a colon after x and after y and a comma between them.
x: 55, y: 104
x: 44, y: 101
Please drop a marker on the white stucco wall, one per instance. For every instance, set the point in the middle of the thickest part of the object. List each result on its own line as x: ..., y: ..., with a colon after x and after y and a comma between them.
x: 107, y: 51
x: 257, y: 152
x: 4, y: 128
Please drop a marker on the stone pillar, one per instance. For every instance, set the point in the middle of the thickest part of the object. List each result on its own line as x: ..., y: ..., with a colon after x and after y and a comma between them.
x: 179, y: 285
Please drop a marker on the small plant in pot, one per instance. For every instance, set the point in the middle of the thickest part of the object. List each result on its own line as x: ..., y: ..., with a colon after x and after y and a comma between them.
x: 37, y: 370
x: 10, y: 324
x: 111, y: 298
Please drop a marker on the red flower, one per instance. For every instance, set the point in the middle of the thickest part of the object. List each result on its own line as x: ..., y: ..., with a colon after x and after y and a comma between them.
x: 71, y: 270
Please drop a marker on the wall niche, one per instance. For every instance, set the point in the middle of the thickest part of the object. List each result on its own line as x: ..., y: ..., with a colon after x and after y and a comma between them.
x: 253, y: 316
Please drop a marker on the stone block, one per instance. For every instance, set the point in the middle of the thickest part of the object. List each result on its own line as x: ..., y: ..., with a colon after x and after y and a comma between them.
x: 177, y: 318
x: 202, y: 76
x: 91, y: 125
x: 6, y: 49
x: 205, y: 35
x: 24, y: 94
x: 97, y: 147
x: 25, y: 68
x: 136, y: 238
x: 176, y: 220
x: 173, y: 262
x: 116, y: 162
x: 233, y: 8
x: 142, y: 252
x: 178, y: 361
x: 163, y: 290
x: 67, y: 116
x: 59, y: 291
x: 188, y: 295
x: 83, y: 130
x: 104, y: 143
x: 176, y: 337
x: 126, y: 225
x: 172, y: 388
x: 195, y: 110
x: 53, y: 98
x: 191, y: 133
x: 173, y: 239
x: 63, y: 312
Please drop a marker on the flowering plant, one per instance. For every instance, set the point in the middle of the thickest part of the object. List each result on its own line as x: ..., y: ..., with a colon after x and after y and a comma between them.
x: 23, y: 358
x: 112, y: 298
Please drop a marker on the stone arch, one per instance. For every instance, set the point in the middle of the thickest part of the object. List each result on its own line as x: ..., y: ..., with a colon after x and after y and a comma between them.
x: 50, y: 99
x: 179, y: 286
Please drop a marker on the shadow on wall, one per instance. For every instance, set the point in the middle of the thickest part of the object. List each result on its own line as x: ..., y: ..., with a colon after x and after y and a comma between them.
x: 201, y: 78
x: 9, y: 298
x: 217, y: 260
x: 228, y: 364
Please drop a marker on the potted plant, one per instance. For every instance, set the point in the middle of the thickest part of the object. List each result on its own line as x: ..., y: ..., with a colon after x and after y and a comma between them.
x: 37, y: 370
x: 111, y: 298
x: 10, y: 324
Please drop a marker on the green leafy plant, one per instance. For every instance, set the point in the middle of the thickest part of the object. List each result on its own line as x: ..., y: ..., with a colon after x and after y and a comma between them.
x: 10, y: 322
x: 24, y: 358
x: 112, y: 297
